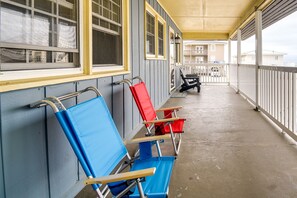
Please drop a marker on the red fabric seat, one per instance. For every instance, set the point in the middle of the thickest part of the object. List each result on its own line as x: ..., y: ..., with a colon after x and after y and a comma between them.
x: 148, y: 113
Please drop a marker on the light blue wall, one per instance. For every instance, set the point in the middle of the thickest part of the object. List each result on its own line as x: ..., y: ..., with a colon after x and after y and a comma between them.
x: 23, y: 134
x: 36, y: 160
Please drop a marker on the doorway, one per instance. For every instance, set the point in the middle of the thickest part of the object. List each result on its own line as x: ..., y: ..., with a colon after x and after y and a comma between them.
x: 172, y: 57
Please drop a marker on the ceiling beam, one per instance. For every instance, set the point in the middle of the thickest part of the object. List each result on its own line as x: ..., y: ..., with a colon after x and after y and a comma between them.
x: 205, y: 36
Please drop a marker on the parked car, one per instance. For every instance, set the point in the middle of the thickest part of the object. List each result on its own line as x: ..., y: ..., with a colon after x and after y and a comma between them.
x: 215, y: 72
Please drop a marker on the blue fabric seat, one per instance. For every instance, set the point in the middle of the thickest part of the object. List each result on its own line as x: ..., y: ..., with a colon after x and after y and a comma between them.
x: 155, y: 186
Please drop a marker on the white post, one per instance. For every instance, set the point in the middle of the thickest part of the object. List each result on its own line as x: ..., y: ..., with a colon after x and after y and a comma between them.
x: 258, y: 27
x: 294, y: 125
x: 238, y: 57
x: 229, y: 60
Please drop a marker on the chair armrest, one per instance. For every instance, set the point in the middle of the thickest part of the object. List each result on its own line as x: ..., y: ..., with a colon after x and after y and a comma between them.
x: 170, y: 108
x: 192, y: 79
x: 161, y: 120
x: 121, y: 176
x: 148, y: 139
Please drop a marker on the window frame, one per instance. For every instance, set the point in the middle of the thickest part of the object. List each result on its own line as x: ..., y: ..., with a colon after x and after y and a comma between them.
x: 53, y: 49
x: 114, y: 69
x: 102, y: 29
x: 158, y: 19
x: 43, y: 77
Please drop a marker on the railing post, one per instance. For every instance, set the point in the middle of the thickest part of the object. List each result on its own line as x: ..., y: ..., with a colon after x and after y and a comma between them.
x: 258, y: 27
x: 229, y: 60
x: 294, y: 124
x: 238, y: 57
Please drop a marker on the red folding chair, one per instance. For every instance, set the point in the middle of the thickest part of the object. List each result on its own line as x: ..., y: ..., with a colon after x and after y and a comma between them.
x: 169, y: 124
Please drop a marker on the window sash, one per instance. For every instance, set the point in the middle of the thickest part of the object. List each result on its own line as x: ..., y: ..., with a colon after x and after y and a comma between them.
x: 161, y: 38
x: 107, y: 18
x: 61, y: 35
x: 150, y: 33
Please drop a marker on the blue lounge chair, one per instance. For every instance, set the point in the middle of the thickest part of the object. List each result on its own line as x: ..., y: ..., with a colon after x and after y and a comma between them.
x: 97, y: 144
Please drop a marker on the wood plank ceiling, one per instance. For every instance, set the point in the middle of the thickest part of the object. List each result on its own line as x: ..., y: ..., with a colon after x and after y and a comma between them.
x: 211, y: 19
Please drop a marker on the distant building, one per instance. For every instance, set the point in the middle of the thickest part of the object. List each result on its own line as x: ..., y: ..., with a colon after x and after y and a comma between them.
x: 204, y: 52
x: 269, y: 57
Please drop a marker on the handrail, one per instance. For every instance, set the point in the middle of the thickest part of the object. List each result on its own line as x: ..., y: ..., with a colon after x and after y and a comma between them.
x: 278, y: 68
x: 128, y: 81
x: 55, y: 102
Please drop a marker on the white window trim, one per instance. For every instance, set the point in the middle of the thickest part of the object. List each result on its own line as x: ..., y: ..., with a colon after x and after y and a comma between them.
x: 28, y: 74
x: 40, y: 73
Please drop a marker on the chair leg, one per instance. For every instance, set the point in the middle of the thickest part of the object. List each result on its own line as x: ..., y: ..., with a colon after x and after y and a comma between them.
x: 124, y: 192
x: 179, y: 143
x: 158, y: 148
x: 99, y: 193
x: 173, y: 140
x: 140, y: 189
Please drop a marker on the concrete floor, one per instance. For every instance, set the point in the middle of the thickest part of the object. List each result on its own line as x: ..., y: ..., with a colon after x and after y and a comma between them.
x: 229, y: 150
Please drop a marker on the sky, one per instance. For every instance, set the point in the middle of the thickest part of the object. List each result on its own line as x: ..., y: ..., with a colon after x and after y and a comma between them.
x: 279, y: 37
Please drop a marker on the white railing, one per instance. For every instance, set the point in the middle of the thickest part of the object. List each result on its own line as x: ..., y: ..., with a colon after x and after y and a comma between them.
x: 247, y: 81
x: 276, y: 91
x: 209, y: 73
x: 277, y: 95
x: 233, y: 75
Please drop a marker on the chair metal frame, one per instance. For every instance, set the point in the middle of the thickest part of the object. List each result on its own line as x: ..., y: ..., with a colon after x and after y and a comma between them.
x: 150, y: 124
x: 57, y: 106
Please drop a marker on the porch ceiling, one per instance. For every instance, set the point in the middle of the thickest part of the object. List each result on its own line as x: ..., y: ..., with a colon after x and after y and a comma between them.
x: 211, y: 19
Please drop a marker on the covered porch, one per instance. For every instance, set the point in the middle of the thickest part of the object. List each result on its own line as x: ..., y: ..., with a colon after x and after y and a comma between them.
x: 240, y: 134
x: 230, y: 150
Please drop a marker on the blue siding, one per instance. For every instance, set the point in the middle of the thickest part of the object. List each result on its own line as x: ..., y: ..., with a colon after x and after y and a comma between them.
x: 37, y: 159
x: 88, y: 95
x: 118, y: 106
x: 105, y: 88
x: 24, y: 145
x: 2, y: 188
x: 128, y: 112
x: 62, y: 160
x: 136, y: 47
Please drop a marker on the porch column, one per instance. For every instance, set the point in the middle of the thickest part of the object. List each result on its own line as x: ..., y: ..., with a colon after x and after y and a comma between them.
x: 229, y: 59
x: 238, y: 56
x: 258, y: 19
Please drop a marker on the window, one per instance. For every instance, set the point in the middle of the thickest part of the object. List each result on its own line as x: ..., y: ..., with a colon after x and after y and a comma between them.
x: 39, y: 34
x: 199, y: 59
x: 155, y: 34
x: 150, y: 34
x: 161, y: 38
x: 50, y: 38
x: 199, y: 49
x: 107, y: 33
